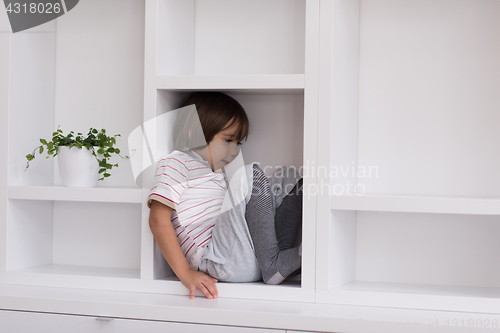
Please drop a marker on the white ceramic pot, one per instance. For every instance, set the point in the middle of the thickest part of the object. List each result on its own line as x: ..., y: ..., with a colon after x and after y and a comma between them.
x: 78, y: 167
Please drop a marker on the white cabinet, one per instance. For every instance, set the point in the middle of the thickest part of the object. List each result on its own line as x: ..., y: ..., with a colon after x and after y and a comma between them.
x: 26, y: 322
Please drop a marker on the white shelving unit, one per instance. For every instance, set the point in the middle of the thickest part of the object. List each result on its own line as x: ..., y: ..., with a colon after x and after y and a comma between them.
x: 409, y: 217
x: 389, y: 106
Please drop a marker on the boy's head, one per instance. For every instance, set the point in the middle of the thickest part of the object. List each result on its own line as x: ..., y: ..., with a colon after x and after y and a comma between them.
x: 216, y: 112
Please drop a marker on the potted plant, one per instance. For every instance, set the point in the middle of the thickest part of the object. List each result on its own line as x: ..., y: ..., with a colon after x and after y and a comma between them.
x: 82, y: 159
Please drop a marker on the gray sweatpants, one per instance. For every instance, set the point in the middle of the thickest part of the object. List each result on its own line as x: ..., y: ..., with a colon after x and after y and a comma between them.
x: 229, y: 255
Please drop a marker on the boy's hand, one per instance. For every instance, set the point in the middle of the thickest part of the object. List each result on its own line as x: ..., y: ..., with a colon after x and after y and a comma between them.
x: 198, y: 280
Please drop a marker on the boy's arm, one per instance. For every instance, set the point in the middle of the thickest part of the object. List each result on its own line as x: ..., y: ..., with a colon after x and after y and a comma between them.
x: 164, y: 233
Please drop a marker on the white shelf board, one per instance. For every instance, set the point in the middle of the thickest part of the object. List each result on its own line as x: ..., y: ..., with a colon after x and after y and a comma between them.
x: 414, y: 296
x: 276, y: 84
x: 304, y: 317
x: 128, y: 273
x: 417, y: 204
x: 59, y: 193
x: 290, y: 290
x: 119, y: 279
x: 293, y: 282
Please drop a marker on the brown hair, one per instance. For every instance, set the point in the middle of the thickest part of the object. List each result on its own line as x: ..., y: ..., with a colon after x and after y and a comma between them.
x: 214, y: 110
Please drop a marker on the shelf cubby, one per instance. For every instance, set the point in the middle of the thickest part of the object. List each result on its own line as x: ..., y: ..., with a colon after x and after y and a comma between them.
x: 73, y: 238
x: 432, y: 261
x: 221, y: 37
x: 261, y: 62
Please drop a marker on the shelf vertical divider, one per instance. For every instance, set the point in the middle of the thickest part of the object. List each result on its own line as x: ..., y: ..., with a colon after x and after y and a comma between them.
x: 4, y: 136
x: 150, y: 46
x: 323, y: 137
x: 337, y: 140
x: 310, y: 142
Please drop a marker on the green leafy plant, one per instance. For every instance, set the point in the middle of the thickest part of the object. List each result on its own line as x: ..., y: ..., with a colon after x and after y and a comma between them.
x: 94, y: 138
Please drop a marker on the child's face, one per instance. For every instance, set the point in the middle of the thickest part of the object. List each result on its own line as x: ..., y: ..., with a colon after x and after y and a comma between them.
x: 223, y: 149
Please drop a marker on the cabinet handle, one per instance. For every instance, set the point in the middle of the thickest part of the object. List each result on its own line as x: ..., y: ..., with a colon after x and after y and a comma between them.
x: 104, y: 318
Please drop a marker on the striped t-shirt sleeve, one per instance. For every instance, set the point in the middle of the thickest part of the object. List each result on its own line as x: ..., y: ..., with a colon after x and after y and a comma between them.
x: 170, y: 182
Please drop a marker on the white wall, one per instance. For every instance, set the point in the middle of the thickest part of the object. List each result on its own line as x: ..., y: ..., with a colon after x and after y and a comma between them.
x: 268, y: 35
x: 101, y: 235
x: 31, y: 104
x: 276, y: 133
x: 227, y: 37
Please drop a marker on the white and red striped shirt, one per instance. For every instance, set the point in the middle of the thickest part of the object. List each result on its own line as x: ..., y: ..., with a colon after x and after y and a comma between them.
x: 186, y: 183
